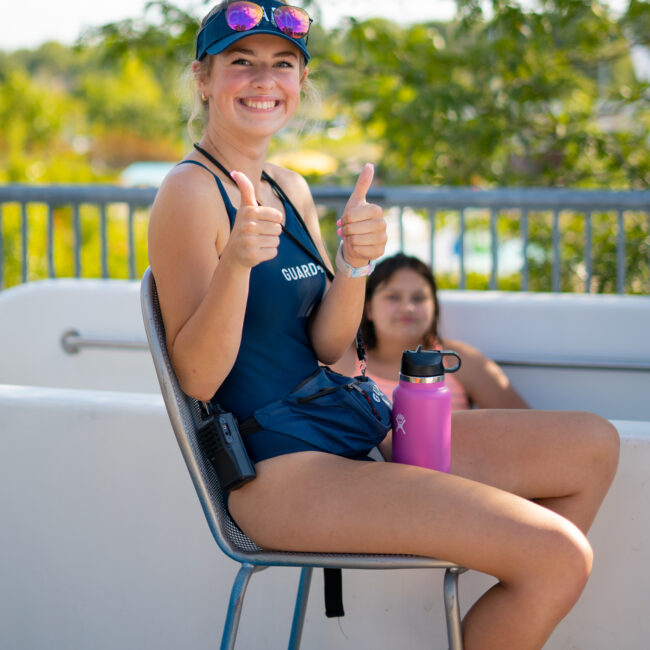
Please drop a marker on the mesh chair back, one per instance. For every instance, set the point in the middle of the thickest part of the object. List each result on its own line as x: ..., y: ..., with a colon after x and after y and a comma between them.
x: 184, y: 413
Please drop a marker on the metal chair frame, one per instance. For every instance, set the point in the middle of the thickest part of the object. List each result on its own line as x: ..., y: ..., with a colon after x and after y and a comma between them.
x: 231, y: 540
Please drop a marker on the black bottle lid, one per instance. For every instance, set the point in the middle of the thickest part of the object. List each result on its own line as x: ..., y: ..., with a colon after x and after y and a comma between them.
x: 427, y: 363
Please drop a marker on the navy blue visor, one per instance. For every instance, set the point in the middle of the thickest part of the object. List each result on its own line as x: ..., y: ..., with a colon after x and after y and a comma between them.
x: 243, y: 18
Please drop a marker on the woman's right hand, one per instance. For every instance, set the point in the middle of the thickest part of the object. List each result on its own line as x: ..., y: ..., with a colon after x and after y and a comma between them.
x: 255, y: 237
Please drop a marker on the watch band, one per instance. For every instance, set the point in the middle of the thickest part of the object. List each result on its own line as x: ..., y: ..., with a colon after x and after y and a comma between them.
x: 352, y: 271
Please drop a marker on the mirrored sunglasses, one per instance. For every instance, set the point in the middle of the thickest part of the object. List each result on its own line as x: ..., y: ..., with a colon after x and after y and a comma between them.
x: 291, y: 21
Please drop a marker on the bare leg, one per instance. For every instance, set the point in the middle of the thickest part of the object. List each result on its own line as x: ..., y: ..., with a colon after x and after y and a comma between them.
x: 313, y: 501
x: 569, y: 461
x: 565, y: 461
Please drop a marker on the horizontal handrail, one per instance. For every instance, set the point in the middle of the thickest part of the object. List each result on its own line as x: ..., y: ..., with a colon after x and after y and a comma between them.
x: 572, y: 363
x: 502, y: 198
x: 73, y: 342
x: 412, y: 195
x: 61, y: 194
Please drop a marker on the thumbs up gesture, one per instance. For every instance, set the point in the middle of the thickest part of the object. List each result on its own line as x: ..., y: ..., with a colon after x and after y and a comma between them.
x: 255, y: 237
x: 362, y: 225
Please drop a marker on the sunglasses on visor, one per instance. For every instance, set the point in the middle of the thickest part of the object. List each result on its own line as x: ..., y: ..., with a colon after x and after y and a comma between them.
x: 291, y: 21
x: 239, y: 18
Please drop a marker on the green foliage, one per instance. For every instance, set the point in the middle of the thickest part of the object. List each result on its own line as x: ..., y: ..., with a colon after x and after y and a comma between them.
x: 525, y: 94
x: 545, y: 98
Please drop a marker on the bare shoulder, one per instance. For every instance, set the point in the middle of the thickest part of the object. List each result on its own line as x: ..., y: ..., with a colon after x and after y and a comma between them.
x: 287, y: 178
x: 188, y: 229
x: 295, y: 187
x: 187, y: 208
x: 464, y: 349
x: 486, y: 383
x: 472, y: 359
x: 185, y: 188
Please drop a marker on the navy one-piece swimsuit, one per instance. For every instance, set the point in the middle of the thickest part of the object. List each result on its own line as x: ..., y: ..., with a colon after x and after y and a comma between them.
x: 275, y: 354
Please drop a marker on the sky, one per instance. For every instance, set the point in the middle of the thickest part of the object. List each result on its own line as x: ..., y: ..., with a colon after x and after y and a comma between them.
x: 28, y: 23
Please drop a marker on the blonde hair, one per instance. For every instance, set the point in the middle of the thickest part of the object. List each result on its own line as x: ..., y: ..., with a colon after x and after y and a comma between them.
x: 198, y: 108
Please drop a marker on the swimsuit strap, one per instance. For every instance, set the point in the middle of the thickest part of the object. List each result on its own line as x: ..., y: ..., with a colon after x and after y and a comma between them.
x: 230, y: 208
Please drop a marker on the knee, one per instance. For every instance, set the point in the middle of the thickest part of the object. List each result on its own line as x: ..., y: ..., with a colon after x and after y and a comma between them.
x: 561, y: 572
x: 603, y: 444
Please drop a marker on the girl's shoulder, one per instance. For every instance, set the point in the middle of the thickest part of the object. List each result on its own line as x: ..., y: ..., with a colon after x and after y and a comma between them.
x: 457, y: 346
x: 470, y: 356
x: 293, y: 184
x: 188, y: 205
x: 193, y: 186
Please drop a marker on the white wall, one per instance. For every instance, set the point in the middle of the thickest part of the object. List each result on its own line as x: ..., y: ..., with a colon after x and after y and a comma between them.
x: 104, y: 546
x: 103, y: 541
x: 33, y: 318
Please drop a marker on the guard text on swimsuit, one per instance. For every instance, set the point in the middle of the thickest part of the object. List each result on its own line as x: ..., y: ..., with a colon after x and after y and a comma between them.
x: 301, y: 272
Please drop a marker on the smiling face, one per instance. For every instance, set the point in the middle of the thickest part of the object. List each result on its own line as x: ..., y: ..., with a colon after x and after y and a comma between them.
x: 254, y: 85
x: 402, y: 309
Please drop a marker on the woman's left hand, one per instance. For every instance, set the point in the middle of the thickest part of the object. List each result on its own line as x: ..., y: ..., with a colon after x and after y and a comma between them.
x: 362, y: 225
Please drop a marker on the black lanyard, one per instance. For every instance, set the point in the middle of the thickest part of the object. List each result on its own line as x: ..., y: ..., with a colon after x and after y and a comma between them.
x: 361, y: 351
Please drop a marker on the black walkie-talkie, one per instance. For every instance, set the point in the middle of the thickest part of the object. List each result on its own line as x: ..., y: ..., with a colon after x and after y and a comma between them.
x: 222, y: 444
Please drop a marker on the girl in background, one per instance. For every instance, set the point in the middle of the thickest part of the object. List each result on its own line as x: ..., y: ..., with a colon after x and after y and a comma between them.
x: 401, y: 312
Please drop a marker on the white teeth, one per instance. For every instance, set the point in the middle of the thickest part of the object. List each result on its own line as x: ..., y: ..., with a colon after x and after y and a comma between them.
x: 259, y: 105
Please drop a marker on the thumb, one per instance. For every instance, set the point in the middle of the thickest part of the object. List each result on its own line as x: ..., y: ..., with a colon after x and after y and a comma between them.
x: 364, y: 182
x: 246, y: 188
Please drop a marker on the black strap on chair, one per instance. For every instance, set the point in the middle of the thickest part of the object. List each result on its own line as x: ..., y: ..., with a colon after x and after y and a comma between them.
x: 333, y: 579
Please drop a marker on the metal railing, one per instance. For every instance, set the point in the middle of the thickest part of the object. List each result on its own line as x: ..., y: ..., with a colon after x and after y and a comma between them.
x: 429, y: 201
x: 73, y: 342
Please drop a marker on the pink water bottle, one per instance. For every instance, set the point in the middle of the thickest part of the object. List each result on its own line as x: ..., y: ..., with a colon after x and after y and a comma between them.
x: 422, y: 410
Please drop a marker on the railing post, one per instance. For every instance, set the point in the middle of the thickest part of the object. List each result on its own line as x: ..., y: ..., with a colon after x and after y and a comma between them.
x: 588, y: 263
x: 461, y: 250
x: 401, y: 228
x: 103, y: 239
x: 24, y: 239
x: 131, y: 240
x: 524, y: 249
x: 620, y: 254
x: 77, y: 240
x: 432, y: 237
x: 2, y: 248
x: 494, y: 245
x: 556, y: 250
x: 50, y: 241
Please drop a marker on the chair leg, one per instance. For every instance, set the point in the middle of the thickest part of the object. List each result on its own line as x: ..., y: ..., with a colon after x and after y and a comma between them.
x: 452, y: 610
x: 300, y: 608
x: 235, y: 606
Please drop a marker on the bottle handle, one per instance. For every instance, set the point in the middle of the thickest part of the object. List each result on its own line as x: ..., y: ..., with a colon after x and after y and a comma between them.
x: 450, y: 353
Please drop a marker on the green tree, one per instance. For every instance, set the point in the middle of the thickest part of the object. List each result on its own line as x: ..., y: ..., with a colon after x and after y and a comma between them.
x: 544, y: 98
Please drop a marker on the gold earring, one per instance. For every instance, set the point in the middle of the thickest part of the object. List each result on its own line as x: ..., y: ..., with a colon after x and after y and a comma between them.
x: 203, y: 98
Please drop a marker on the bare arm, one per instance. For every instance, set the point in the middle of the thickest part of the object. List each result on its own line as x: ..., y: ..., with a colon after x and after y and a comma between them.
x: 202, y: 272
x: 364, y: 238
x: 347, y: 364
x: 486, y: 384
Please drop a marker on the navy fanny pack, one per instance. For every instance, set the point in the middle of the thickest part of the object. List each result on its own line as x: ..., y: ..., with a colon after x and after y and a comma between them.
x: 347, y: 416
